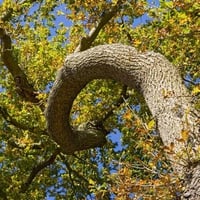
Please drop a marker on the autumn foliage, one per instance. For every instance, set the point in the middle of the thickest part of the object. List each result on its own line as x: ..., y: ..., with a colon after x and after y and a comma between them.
x: 41, y: 34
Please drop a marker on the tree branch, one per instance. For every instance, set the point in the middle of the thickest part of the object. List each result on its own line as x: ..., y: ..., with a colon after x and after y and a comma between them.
x: 86, y: 42
x: 4, y: 113
x: 79, y: 176
x: 23, y: 88
x: 99, y: 124
x: 37, y: 169
x: 190, y: 81
x: 120, y: 100
x: 130, y: 39
x: 151, y: 75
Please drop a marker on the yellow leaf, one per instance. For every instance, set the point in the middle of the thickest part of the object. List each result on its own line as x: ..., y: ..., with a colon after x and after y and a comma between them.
x: 128, y: 115
x: 137, y: 42
x: 185, y: 135
x: 2, y: 158
x: 91, y: 182
x: 151, y: 164
x: 196, y: 90
x: 151, y: 124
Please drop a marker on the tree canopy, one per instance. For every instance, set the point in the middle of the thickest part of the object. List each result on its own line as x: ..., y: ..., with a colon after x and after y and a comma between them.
x: 36, y: 37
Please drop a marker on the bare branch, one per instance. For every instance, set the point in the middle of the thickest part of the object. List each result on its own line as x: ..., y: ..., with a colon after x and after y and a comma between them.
x: 124, y: 64
x: 130, y: 39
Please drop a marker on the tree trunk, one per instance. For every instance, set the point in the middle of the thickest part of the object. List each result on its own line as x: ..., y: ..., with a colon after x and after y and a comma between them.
x: 149, y: 73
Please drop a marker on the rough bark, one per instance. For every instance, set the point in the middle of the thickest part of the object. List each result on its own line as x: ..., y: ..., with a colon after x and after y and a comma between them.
x: 150, y: 73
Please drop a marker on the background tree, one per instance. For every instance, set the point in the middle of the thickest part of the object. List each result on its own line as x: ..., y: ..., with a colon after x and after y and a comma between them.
x: 35, y: 37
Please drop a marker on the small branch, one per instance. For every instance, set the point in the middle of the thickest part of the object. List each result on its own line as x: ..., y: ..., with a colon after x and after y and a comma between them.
x: 130, y: 39
x: 122, y: 96
x: 37, y: 169
x: 23, y: 88
x: 83, y: 161
x: 99, y: 123
x: 75, y: 173
x: 4, y: 113
x: 86, y: 42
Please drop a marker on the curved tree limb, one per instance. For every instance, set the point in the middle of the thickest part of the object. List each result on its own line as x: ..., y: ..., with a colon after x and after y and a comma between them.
x: 151, y: 74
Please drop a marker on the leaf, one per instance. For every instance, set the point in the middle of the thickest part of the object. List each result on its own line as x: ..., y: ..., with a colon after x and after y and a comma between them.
x: 91, y: 182
x: 196, y: 90
x: 185, y: 135
x: 2, y: 158
x: 128, y: 115
x: 151, y: 124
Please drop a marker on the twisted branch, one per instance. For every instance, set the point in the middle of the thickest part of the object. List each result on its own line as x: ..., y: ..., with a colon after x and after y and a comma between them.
x: 150, y: 74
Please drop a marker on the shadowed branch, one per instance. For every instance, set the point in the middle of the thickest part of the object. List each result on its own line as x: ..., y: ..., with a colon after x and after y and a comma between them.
x: 37, y: 169
x: 23, y: 87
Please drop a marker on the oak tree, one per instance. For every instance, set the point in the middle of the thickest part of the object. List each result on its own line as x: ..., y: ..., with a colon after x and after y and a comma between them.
x: 57, y: 134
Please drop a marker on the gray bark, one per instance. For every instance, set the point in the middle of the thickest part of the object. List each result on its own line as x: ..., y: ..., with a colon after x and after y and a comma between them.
x: 149, y: 73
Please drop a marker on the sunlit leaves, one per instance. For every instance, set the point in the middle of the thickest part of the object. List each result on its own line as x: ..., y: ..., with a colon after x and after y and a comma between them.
x: 151, y: 125
x: 43, y: 33
x: 185, y: 135
x: 174, y: 32
x: 196, y: 90
x: 95, y: 101
x: 127, y: 187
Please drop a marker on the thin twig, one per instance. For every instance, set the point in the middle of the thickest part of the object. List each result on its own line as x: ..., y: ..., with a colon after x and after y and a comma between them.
x: 72, y: 170
x: 122, y: 97
x: 189, y: 81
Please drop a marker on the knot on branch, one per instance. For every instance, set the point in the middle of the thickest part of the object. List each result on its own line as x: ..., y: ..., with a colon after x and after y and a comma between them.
x: 89, y: 136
